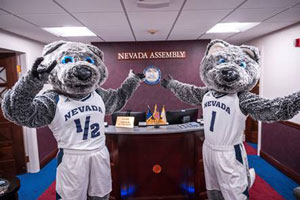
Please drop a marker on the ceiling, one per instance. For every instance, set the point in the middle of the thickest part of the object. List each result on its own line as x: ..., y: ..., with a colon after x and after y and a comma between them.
x: 123, y: 20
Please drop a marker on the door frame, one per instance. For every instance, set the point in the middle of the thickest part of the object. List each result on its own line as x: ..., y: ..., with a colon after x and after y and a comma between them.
x: 261, y: 88
x: 29, y: 134
x: 260, y: 92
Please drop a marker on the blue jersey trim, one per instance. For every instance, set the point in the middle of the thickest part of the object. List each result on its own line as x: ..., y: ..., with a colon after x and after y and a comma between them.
x: 246, y: 192
x: 238, y: 154
x: 59, y: 160
x: 58, y: 197
x: 86, y: 98
x: 60, y: 156
x: 216, y: 95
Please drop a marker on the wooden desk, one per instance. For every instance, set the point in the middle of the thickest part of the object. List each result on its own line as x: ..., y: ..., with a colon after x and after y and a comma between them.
x: 149, y: 163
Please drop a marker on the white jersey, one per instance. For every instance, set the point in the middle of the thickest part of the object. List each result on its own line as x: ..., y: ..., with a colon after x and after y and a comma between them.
x: 224, y: 123
x: 79, y: 124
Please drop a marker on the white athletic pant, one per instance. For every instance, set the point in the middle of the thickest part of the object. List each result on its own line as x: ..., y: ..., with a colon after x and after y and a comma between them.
x: 226, y: 170
x: 83, y: 173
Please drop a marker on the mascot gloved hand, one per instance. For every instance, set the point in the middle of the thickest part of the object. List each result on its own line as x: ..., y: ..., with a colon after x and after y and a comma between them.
x: 141, y: 75
x: 165, y: 82
x: 74, y: 110
x: 42, y: 74
x: 229, y: 73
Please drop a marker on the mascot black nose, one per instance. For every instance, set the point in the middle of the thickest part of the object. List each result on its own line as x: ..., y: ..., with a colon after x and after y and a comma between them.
x: 229, y: 75
x: 82, y: 73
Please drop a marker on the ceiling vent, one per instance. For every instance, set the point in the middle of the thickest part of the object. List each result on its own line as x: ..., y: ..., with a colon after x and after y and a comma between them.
x: 153, y: 3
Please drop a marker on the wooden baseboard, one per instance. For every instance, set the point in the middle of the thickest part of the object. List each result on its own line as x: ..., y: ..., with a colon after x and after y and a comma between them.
x: 287, y: 171
x: 48, y: 158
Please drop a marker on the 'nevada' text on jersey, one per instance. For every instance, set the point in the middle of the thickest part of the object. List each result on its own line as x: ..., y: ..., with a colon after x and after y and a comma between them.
x: 81, y: 109
x: 217, y: 104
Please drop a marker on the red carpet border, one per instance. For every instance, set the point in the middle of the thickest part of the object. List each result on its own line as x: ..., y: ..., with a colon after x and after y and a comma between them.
x: 250, y: 150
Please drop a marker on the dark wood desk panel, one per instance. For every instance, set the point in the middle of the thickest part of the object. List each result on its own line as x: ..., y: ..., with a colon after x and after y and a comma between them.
x: 150, y: 163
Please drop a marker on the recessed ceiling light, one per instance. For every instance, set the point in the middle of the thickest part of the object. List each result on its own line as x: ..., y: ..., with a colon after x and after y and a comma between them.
x: 231, y: 27
x: 153, y: 3
x: 152, y: 31
x: 70, y: 31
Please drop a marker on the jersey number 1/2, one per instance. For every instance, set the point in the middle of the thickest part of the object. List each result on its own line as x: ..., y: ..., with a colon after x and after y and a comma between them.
x: 94, y: 127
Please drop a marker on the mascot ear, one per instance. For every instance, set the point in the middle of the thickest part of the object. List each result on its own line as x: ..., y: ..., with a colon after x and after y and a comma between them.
x: 96, y: 51
x: 49, y: 48
x: 215, y: 45
x: 251, y: 51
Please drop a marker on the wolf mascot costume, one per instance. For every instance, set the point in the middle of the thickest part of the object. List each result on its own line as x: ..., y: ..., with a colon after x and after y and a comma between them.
x: 74, y: 110
x: 229, y: 73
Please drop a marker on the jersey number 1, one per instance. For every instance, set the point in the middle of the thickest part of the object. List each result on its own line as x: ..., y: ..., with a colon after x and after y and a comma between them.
x: 212, y: 122
x: 94, y: 127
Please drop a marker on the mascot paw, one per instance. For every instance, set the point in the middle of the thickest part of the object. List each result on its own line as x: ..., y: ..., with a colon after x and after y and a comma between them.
x: 43, y: 73
x: 165, y: 82
x: 141, y: 76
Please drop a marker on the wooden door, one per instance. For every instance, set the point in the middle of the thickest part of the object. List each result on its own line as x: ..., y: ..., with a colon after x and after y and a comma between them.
x: 12, y: 154
x: 251, y: 131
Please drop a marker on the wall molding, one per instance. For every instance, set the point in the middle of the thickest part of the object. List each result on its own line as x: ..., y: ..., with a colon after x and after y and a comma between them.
x: 287, y: 171
x: 290, y: 124
x: 48, y: 158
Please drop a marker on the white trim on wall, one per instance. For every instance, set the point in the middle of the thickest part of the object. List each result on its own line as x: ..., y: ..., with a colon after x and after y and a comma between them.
x: 261, y: 89
x: 31, y: 149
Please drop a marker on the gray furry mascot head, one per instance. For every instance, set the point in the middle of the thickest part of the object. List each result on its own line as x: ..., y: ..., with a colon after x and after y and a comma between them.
x: 80, y: 67
x: 230, y: 69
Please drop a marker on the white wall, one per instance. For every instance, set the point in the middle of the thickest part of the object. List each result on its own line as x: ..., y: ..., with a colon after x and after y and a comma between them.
x: 31, y: 48
x: 28, y: 50
x: 280, y: 63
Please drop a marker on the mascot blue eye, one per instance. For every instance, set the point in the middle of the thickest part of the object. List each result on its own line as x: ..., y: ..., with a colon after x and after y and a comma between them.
x: 67, y: 59
x: 89, y: 60
x: 221, y: 60
x: 243, y: 64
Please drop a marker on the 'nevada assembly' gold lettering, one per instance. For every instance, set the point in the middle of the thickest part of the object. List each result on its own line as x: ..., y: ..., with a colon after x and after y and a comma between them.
x: 151, y: 55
